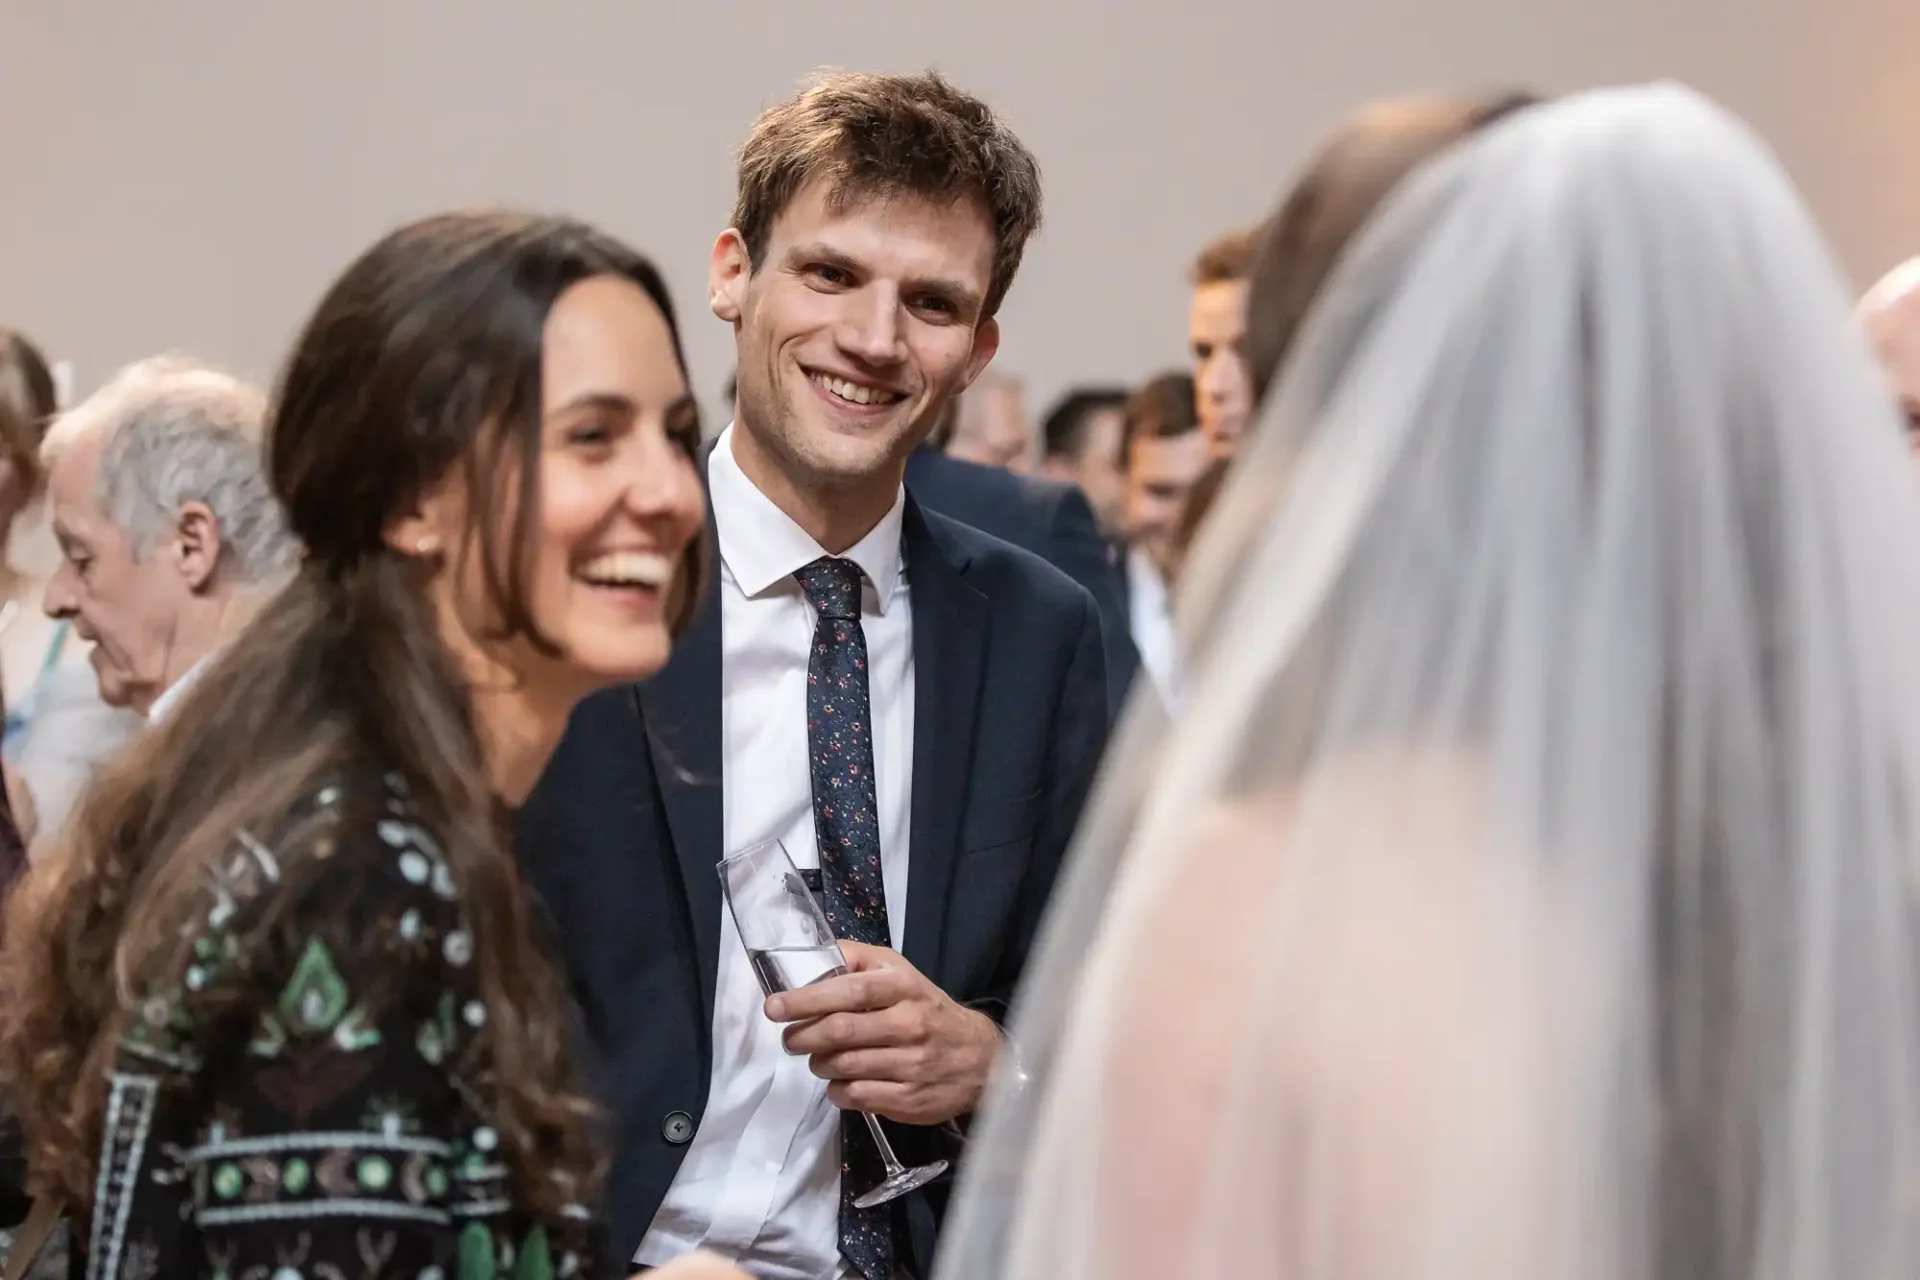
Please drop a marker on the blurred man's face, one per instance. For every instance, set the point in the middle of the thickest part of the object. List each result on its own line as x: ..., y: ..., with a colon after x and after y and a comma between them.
x: 993, y: 429
x: 1216, y: 325
x: 1897, y: 342
x: 1160, y: 475
x: 126, y: 607
x: 1096, y: 468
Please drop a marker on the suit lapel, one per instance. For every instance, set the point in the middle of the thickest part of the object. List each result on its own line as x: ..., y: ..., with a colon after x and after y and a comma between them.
x: 681, y: 708
x: 949, y: 641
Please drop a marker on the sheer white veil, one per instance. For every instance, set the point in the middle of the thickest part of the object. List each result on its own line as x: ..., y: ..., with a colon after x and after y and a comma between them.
x: 1526, y: 891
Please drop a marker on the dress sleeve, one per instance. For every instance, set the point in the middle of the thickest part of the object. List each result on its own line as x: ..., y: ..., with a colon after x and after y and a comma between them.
x: 330, y: 1128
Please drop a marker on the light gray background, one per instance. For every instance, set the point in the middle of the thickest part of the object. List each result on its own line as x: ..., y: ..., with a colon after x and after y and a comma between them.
x: 190, y: 174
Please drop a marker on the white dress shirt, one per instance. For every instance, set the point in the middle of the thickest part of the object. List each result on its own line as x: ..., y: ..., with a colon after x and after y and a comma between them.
x: 171, y: 695
x: 1150, y: 617
x: 761, y: 1181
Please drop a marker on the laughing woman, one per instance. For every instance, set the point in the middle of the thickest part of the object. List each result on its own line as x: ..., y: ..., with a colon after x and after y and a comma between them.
x: 286, y: 956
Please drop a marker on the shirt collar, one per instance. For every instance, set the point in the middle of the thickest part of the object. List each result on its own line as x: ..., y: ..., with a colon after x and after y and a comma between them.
x: 171, y: 695
x: 1144, y: 580
x: 761, y: 547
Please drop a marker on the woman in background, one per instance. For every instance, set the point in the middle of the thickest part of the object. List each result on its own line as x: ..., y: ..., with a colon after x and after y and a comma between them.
x: 57, y: 728
x: 277, y: 1006
x: 1527, y: 890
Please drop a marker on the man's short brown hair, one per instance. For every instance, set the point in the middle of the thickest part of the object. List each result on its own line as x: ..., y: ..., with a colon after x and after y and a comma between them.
x: 1164, y: 408
x: 880, y: 135
x: 1228, y: 258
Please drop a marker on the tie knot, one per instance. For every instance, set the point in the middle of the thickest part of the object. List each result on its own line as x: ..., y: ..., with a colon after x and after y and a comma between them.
x: 832, y: 587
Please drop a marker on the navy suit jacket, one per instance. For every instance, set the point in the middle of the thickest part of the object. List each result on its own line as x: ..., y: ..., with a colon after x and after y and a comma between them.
x: 1050, y: 519
x: 621, y: 837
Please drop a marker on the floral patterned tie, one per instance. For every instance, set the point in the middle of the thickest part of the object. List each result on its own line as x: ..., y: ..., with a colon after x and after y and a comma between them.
x: 846, y: 824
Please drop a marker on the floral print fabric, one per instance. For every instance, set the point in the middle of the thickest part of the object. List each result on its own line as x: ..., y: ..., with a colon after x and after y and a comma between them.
x: 329, y: 1120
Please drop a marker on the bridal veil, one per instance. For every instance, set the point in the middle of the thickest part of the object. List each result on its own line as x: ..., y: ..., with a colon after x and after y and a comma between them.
x: 1526, y: 891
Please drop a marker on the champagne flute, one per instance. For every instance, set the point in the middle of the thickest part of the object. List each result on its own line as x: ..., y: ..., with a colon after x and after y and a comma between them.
x: 790, y: 945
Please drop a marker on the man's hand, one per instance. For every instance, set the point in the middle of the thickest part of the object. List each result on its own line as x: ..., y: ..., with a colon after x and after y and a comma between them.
x: 891, y: 1042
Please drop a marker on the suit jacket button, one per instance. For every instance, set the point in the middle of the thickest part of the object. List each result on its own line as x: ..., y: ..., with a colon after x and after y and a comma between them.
x: 677, y: 1128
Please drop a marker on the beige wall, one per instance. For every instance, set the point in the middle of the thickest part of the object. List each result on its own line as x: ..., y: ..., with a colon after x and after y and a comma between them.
x: 191, y: 173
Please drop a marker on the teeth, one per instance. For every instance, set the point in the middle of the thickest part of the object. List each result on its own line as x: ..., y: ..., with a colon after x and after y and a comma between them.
x: 853, y: 391
x: 628, y: 569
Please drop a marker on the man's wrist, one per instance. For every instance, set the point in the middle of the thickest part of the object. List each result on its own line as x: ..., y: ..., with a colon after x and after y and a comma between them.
x: 992, y: 1044
x: 1003, y: 1059
x: 1011, y: 1066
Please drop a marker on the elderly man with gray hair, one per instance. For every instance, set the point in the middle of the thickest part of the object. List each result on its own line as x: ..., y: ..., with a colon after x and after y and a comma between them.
x: 169, y: 534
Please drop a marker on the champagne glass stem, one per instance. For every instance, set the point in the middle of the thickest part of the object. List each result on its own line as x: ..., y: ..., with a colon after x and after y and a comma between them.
x: 894, y: 1167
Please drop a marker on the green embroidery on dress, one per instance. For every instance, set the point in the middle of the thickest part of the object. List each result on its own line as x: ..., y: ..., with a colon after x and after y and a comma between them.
x: 375, y: 1174
x: 390, y: 1114
x: 228, y: 1181
x: 295, y: 1175
x: 430, y: 1045
x: 435, y: 1040
x: 269, y: 1039
x: 353, y: 1034
x: 536, y: 1257
x: 316, y: 997
x: 476, y: 1254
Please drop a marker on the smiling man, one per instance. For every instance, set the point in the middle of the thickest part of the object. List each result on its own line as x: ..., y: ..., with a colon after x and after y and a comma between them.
x: 912, y: 708
x: 170, y: 538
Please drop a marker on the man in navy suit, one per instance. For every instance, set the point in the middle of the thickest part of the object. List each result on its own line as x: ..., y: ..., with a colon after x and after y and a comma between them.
x: 913, y: 708
x: 1050, y: 519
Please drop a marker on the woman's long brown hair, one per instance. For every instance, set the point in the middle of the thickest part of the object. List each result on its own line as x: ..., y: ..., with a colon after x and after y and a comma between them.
x: 1346, y: 182
x: 1358, y: 166
x: 424, y: 356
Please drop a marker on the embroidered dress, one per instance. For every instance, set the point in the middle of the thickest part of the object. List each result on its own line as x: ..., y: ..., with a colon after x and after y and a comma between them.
x: 329, y: 1120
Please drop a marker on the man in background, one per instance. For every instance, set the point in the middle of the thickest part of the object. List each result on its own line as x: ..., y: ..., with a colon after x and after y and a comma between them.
x: 1080, y: 443
x: 989, y: 425
x: 1050, y: 519
x: 170, y: 538
x: 1216, y: 330
x: 1164, y: 451
x: 1890, y: 315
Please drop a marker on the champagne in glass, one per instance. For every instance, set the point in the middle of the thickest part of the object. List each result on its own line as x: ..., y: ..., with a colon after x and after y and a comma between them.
x: 790, y: 945
x: 787, y: 968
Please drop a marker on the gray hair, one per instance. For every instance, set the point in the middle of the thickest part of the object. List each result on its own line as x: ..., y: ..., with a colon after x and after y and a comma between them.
x: 179, y: 431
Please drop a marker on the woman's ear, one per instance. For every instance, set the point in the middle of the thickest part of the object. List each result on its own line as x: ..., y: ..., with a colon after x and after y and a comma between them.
x: 420, y: 532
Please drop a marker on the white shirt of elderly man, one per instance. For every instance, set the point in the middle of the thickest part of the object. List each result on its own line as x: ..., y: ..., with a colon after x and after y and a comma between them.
x: 169, y: 535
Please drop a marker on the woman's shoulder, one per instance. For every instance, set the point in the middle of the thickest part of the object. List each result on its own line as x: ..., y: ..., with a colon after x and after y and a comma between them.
x: 310, y: 926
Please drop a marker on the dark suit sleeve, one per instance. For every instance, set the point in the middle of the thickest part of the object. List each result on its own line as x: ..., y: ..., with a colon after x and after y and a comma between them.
x: 1082, y: 554
x: 1080, y: 725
